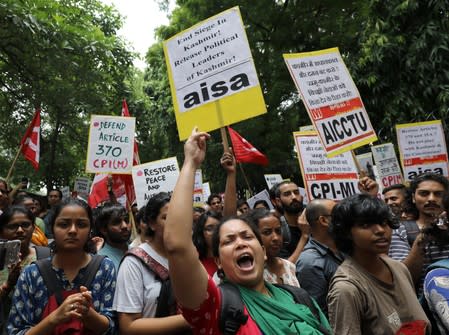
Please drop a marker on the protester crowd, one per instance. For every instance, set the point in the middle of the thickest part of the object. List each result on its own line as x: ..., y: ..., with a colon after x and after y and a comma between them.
x: 368, y: 264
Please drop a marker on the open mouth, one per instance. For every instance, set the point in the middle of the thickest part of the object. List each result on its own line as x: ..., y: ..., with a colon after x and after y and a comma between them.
x: 245, y: 261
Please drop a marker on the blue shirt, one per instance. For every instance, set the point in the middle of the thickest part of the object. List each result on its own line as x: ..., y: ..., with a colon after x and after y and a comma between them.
x: 31, y: 296
x: 114, y: 254
x: 315, y: 268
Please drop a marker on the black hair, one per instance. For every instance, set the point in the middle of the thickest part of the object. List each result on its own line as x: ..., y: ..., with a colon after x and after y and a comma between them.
x: 394, y: 187
x: 263, y: 202
x: 108, y: 213
x: 258, y: 214
x: 19, y: 200
x: 89, y: 246
x: 198, y: 237
x: 212, y: 197
x: 7, y: 215
x: 198, y: 209
x: 358, y: 208
x: 57, y: 190
x: 153, y: 208
x: 428, y: 176
x: 241, y: 202
x: 277, y: 190
x: 216, y: 235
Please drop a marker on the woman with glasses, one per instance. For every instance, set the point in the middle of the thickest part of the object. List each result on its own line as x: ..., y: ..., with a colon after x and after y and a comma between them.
x: 16, y: 223
x: 202, y: 239
x: 85, y: 310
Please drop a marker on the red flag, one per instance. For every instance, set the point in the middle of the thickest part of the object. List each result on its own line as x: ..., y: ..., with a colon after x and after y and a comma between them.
x: 244, y: 151
x: 30, y: 142
x: 99, y: 190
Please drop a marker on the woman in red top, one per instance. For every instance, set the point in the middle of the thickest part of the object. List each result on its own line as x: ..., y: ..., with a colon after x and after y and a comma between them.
x: 240, y: 256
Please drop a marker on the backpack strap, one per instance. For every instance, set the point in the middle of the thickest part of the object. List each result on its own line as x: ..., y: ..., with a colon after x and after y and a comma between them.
x: 91, y: 270
x: 50, y: 280
x: 160, y: 271
x: 302, y: 297
x: 412, y: 230
x: 42, y: 252
x: 231, y: 314
x: 54, y: 285
x: 166, y: 302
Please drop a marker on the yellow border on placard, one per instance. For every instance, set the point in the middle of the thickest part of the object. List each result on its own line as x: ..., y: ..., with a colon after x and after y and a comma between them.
x: 88, y: 142
x: 219, y: 113
x: 354, y: 145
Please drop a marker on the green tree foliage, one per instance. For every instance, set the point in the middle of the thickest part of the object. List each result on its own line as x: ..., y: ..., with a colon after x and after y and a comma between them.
x: 65, y: 57
x: 402, y: 69
x: 273, y: 28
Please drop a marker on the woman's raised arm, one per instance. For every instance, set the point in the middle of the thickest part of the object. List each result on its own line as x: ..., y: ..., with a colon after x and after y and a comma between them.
x: 187, y: 274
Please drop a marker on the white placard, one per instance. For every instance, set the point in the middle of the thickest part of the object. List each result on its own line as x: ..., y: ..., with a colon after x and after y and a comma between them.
x: 206, y: 191
x: 423, y: 148
x: 198, y: 187
x: 331, y: 99
x: 65, y: 192
x: 331, y: 178
x: 263, y: 195
x: 111, y: 144
x: 211, y: 60
x: 272, y: 179
x: 82, y: 185
x: 154, y: 177
x: 388, y: 169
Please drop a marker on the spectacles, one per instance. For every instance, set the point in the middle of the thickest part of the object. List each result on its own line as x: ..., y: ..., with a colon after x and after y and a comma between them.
x: 15, y: 226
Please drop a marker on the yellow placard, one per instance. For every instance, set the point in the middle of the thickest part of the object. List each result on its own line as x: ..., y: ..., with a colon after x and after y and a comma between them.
x: 212, y: 76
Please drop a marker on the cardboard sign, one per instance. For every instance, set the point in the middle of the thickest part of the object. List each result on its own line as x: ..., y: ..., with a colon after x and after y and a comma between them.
x: 206, y: 191
x: 387, y: 164
x: 212, y: 75
x: 422, y: 148
x: 263, y: 195
x: 272, y: 179
x: 111, y: 144
x: 65, y: 192
x: 331, y: 99
x: 82, y: 185
x: 154, y: 177
x: 331, y: 178
x: 366, y: 164
x: 198, y: 188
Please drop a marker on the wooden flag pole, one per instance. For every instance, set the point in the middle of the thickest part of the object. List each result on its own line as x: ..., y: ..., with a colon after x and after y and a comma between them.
x: 13, y: 163
x: 246, y: 179
x: 362, y: 172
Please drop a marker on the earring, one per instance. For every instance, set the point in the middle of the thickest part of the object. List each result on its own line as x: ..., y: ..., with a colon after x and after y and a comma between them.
x: 220, y: 273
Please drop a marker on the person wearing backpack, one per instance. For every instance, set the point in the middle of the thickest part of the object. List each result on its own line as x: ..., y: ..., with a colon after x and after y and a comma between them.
x: 79, y: 298
x: 143, y: 299
x: 240, y: 256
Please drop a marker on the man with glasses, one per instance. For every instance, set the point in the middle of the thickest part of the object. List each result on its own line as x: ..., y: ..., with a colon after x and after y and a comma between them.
x: 112, y: 222
x: 320, y: 258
